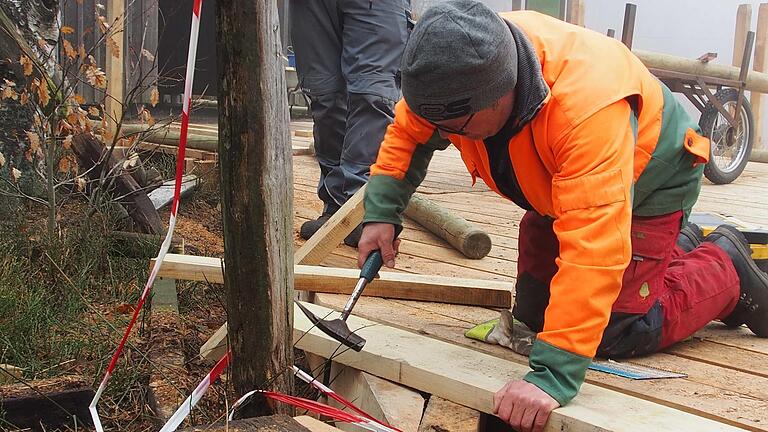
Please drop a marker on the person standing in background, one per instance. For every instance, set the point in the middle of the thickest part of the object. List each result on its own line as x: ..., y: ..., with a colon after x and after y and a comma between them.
x: 347, y: 59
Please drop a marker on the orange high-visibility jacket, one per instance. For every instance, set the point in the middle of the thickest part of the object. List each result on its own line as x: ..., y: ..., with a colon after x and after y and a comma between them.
x: 609, y: 141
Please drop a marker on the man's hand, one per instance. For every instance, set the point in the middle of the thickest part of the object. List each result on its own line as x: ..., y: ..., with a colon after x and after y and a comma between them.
x: 378, y: 236
x: 524, y: 406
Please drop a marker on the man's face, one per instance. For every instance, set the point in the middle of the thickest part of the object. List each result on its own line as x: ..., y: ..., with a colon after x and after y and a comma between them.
x: 480, y: 125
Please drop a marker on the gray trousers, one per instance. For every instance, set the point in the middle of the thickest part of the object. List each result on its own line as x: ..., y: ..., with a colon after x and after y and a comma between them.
x: 347, y: 58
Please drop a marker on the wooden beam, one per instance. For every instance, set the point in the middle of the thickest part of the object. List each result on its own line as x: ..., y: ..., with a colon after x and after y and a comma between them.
x: 470, y: 378
x: 315, y: 425
x: 743, y: 23
x: 332, y: 280
x: 761, y: 58
x: 575, y: 14
x: 443, y: 415
x: 327, y: 238
x: 113, y: 104
x: 397, y: 405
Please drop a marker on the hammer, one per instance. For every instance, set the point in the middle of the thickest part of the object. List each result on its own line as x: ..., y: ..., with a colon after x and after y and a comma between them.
x: 338, y: 328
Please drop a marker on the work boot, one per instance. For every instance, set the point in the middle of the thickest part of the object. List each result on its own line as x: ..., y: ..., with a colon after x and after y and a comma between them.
x: 752, y: 308
x: 690, y: 237
x: 309, y: 228
x: 354, y: 237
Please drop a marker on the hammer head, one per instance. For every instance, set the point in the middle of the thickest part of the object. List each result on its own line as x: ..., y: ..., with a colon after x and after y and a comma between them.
x: 336, y: 329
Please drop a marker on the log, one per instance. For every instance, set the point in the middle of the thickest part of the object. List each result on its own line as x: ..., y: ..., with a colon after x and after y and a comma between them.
x: 256, y: 199
x: 756, y: 81
x: 50, y: 403
x: 168, y: 136
x: 90, y: 153
x: 139, y: 245
x: 471, y: 241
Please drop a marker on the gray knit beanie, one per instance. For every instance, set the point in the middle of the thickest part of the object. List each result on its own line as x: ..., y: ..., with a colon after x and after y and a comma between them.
x: 460, y: 59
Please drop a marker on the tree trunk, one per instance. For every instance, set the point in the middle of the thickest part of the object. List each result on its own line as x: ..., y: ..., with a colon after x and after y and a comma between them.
x: 91, y: 153
x: 256, y: 182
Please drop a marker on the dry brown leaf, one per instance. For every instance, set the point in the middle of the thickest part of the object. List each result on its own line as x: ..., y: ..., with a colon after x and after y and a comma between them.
x: 67, y: 143
x: 80, y: 184
x: 148, y: 55
x: 107, y: 134
x: 26, y: 64
x: 38, y: 120
x: 94, y: 111
x: 81, y: 51
x: 24, y: 98
x: 2, y: 160
x: 154, y: 96
x: 114, y: 48
x: 79, y: 99
x: 67, y: 30
x: 42, y: 43
x: 69, y: 50
x: 34, y: 140
x: 42, y: 91
x: 95, y: 76
x: 15, y: 174
x: 64, y: 165
x: 102, y: 23
x: 124, y: 308
x: 9, y: 93
x: 28, y: 155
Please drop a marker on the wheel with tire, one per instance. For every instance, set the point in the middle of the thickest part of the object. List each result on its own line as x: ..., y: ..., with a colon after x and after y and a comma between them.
x: 731, y: 146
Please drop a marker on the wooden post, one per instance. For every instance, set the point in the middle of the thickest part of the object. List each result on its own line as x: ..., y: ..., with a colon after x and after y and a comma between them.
x: 743, y: 23
x: 575, y: 12
x: 628, y: 28
x: 113, y: 104
x: 761, y: 46
x: 256, y: 181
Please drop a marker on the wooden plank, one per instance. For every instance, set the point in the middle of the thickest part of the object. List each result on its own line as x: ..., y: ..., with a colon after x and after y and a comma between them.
x: 50, y: 402
x: 327, y: 238
x: 761, y: 58
x: 728, y: 357
x: 442, y: 415
x: 714, y: 392
x: 471, y: 378
x: 396, y: 405
x: 113, y: 104
x: 342, y: 281
x: 163, y: 195
x: 315, y: 425
x: 743, y: 24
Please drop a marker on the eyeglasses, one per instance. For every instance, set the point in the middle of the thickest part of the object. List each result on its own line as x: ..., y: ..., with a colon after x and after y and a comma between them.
x: 450, y: 130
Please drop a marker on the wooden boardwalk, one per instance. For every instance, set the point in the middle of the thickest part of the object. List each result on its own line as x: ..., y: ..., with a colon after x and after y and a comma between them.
x: 727, y: 369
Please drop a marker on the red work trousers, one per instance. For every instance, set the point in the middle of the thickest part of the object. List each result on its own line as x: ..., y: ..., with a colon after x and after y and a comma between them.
x: 666, y: 295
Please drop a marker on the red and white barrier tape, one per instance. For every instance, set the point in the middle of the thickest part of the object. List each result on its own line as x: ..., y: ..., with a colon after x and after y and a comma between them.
x: 360, y: 419
x: 185, y: 408
x: 174, y: 209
